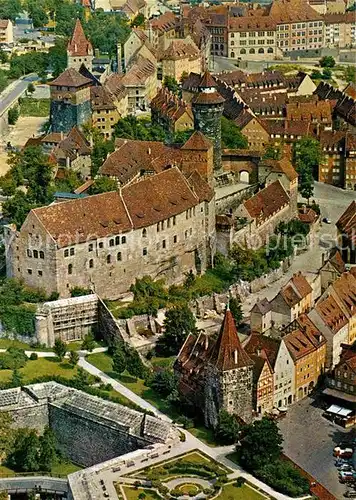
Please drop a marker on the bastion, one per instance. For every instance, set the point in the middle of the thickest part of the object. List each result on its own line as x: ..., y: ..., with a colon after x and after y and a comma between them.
x: 89, y: 430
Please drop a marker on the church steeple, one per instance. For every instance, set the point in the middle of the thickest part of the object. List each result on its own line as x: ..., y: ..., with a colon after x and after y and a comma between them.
x: 79, y: 49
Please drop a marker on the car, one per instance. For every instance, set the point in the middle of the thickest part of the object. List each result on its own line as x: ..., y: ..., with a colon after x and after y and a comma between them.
x: 343, y: 452
x: 346, y: 467
x: 341, y: 462
x: 346, y: 477
x: 350, y: 494
x: 326, y: 220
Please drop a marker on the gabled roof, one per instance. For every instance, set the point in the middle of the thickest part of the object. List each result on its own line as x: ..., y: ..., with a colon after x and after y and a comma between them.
x: 79, y: 45
x: 347, y: 222
x: 256, y: 342
x: 70, y: 78
x: 207, y: 81
x: 228, y: 352
x: 200, y: 187
x: 266, y: 202
x: 198, y: 142
x: 298, y: 344
x: 282, y: 166
x: 337, y: 261
x: 263, y: 306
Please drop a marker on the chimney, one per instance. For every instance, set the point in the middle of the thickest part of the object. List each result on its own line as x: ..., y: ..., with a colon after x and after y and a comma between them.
x: 235, y: 357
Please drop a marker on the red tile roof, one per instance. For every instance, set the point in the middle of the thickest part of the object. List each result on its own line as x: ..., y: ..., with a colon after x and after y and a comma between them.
x: 79, y: 45
x: 266, y: 202
x: 282, y: 166
x: 332, y: 314
x: 228, y: 352
x: 198, y: 142
x: 347, y: 222
x: 70, y: 78
x: 256, y: 342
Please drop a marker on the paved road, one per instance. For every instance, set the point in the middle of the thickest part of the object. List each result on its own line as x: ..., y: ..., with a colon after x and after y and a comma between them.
x: 12, y: 93
x: 51, y: 354
x: 48, y: 484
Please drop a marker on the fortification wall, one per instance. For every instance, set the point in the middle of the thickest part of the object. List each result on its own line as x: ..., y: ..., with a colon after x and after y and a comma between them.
x: 34, y: 417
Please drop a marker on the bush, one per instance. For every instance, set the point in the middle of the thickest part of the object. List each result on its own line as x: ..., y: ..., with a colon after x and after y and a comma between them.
x: 33, y: 356
x: 240, y: 481
x: 13, y: 115
x: 283, y: 477
x: 13, y: 359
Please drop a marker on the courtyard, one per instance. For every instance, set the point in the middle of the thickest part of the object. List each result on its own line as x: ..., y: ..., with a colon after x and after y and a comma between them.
x: 309, y: 440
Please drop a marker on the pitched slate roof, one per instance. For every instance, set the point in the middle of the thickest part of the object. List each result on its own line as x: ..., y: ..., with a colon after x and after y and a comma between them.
x: 228, y: 352
x: 79, y: 45
x: 70, y: 78
x: 266, y: 202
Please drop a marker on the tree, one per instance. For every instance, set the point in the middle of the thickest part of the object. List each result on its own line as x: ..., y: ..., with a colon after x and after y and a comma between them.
x: 164, y: 382
x: 30, y: 88
x: 3, y: 57
x: 82, y: 379
x: 47, y: 452
x: 171, y: 84
x: 231, y: 136
x: 60, y: 348
x: 134, y: 365
x: 307, y: 157
x: 57, y: 57
x: 25, y: 454
x: 10, y: 9
x: 139, y: 20
x: 273, y: 152
x: 88, y: 343
x: 131, y: 127
x: 17, y: 378
x: 327, y: 74
x: 119, y: 361
x: 13, y: 115
x: 103, y: 185
x: 236, y: 309
x: 78, y: 291
x: 6, y: 437
x: 178, y: 323
x: 105, y: 31
x: 262, y: 443
x: 73, y: 358
x: 227, y: 431
x: 17, y: 207
x: 327, y: 62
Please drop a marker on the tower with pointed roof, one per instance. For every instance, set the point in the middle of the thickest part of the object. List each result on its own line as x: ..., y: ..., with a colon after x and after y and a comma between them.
x: 79, y: 49
x: 70, y: 101
x: 229, y: 376
x: 208, y: 106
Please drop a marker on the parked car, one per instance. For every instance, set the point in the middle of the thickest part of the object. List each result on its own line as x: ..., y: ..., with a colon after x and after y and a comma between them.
x: 343, y: 452
x: 350, y: 494
x: 346, y: 477
x: 326, y: 220
x: 346, y: 467
x: 342, y: 461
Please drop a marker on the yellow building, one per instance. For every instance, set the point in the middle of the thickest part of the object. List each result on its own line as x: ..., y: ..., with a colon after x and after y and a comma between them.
x: 181, y: 57
x: 104, y: 111
x: 6, y: 31
x: 307, y: 347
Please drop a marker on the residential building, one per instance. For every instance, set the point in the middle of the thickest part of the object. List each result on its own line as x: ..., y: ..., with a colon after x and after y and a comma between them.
x: 264, y: 211
x: 294, y: 299
x: 163, y: 226
x: 282, y: 170
x: 261, y: 316
x: 340, y: 30
x: 171, y: 112
x: 137, y: 44
x: 6, y: 31
x: 314, y: 112
x: 331, y: 269
x: 307, y: 346
x: 263, y: 383
x: 71, y: 153
x: 162, y: 29
x: 216, y: 374
x: 252, y: 38
x: 346, y: 228
x: 104, y: 112
x: 180, y: 57
x: 341, y: 382
x: 79, y: 49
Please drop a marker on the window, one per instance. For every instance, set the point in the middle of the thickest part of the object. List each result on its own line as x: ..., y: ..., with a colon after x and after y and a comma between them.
x: 111, y: 242
x: 70, y: 269
x: 101, y: 245
x: 91, y: 264
x: 90, y: 247
x: 174, y: 220
x: 144, y: 233
x: 164, y: 244
x: 35, y: 254
x: 117, y: 240
x: 270, y: 50
x: 175, y: 239
x: 41, y: 254
x: 66, y: 252
x: 243, y: 42
x: 108, y: 259
x: 119, y: 256
x: 144, y: 251
x: 123, y: 240
x: 243, y: 51
x: 40, y: 273
x: 71, y: 251
x: 29, y: 253
x: 261, y: 51
x: 251, y: 51
x: 29, y: 271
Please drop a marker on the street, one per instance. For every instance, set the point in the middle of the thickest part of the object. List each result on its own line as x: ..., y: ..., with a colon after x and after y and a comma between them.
x: 13, y: 92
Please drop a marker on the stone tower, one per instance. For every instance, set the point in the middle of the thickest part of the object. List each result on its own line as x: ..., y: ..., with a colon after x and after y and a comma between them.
x: 229, y: 374
x: 70, y: 101
x: 197, y: 154
x: 79, y: 49
x: 208, y: 106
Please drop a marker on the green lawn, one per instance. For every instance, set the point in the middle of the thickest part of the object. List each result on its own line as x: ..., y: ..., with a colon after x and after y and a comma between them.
x: 40, y: 368
x: 103, y: 362
x: 34, y: 107
x: 132, y: 493
x: 231, y: 492
x: 60, y: 470
x: 5, y: 472
x: 6, y: 343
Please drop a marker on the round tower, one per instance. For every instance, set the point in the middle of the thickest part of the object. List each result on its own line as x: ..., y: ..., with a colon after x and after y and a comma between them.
x: 208, y: 106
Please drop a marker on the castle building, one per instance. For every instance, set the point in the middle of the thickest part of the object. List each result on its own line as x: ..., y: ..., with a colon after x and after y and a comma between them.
x: 216, y: 374
x: 70, y: 101
x: 208, y: 106
x: 162, y: 226
x: 79, y: 49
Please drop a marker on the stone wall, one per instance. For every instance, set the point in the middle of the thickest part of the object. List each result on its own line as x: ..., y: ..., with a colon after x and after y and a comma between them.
x: 234, y: 200
x: 108, y: 328
x: 34, y: 417
x: 85, y: 441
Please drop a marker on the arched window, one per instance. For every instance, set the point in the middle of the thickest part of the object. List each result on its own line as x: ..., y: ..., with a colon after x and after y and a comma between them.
x: 270, y: 50
x: 261, y: 51
x: 117, y: 240
x: 251, y: 51
x: 221, y: 46
x: 119, y: 256
x: 232, y: 55
x: 111, y: 242
x: 91, y: 263
x: 41, y: 254
x: 216, y: 46
x: 70, y: 268
x: 35, y: 254
x: 108, y: 259
x: 243, y: 51
x: 123, y: 239
x: 144, y: 233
